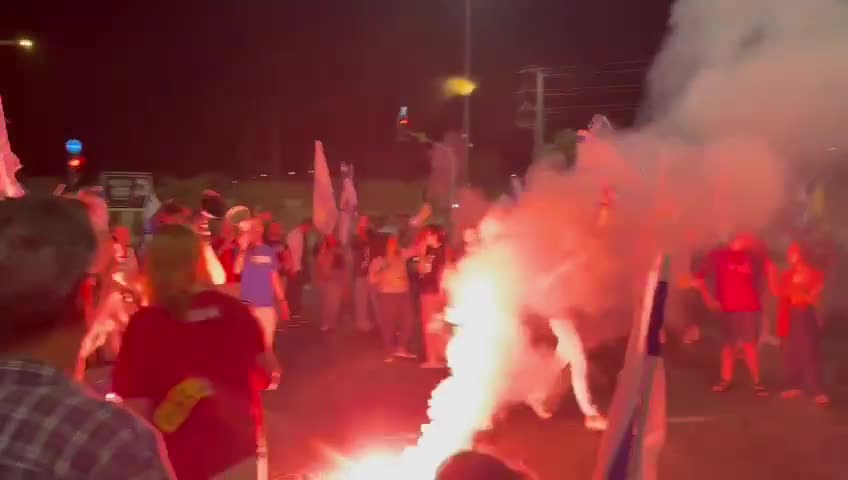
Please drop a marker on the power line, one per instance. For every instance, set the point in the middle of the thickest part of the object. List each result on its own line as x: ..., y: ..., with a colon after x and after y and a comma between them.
x: 598, y: 90
x: 606, y: 107
x: 625, y: 63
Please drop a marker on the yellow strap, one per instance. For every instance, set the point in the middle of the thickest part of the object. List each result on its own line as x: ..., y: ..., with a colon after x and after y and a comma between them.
x: 179, y: 403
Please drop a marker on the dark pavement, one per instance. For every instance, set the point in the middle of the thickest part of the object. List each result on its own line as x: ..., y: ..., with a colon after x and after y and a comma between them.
x: 338, y: 396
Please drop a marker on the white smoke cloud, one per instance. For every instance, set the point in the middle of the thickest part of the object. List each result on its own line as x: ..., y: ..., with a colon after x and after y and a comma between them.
x: 744, y: 98
x: 771, y: 69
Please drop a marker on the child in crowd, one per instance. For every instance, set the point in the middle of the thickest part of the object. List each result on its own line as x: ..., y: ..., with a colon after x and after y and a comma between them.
x: 799, y: 326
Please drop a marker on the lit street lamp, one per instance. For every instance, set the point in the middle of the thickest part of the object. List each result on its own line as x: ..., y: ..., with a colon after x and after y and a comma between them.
x: 24, y: 43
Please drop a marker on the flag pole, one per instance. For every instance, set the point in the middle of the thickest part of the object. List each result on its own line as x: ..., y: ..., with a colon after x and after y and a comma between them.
x: 648, y: 439
x: 630, y: 445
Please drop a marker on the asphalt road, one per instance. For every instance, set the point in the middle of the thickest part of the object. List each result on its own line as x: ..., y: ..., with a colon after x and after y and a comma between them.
x: 339, y: 397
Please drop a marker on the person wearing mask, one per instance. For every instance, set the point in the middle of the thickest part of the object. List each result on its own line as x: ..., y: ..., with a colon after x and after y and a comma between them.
x: 297, y: 241
x: 193, y: 363
x: 50, y: 249
x: 363, y: 294
x: 261, y: 286
x: 395, y: 317
x: 330, y: 271
x: 738, y: 272
x: 431, y: 268
x: 799, y: 326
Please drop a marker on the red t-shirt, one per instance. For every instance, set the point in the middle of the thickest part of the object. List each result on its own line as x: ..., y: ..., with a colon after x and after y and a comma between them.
x: 738, y: 277
x: 203, y: 378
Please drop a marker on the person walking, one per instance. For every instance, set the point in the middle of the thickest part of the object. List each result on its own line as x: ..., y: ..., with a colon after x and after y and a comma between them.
x: 261, y: 286
x: 193, y: 363
x: 395, y: 317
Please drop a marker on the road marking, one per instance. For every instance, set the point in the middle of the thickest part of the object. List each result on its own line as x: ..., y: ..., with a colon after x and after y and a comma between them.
x: 692, y: 419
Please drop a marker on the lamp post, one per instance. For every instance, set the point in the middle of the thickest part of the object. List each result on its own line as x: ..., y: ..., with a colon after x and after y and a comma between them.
x: 466, y: 112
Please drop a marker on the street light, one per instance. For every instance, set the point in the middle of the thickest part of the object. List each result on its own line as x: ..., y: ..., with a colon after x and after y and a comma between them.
x: 466, y: 113
x: 24, y: 43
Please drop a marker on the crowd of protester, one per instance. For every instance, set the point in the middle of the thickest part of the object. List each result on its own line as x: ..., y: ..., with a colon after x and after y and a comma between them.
x: 159, y: 296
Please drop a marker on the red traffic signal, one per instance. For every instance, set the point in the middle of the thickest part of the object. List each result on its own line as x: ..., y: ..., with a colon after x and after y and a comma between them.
x: 76, y: 163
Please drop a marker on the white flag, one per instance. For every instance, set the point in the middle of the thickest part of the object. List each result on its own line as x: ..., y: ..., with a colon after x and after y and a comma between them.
x: 324, y: 211
x: 9, y: 163
x: 348, y: 203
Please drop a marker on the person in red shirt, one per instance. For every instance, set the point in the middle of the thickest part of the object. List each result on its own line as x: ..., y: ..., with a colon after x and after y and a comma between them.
x: 194, y: 363
x: 738, y: 273
x: 799, y: 291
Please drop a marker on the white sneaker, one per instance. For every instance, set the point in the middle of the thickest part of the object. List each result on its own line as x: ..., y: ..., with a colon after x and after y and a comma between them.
x: 596, y: 423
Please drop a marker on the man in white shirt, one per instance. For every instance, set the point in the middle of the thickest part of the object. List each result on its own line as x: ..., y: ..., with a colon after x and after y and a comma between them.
x: 296, y: 241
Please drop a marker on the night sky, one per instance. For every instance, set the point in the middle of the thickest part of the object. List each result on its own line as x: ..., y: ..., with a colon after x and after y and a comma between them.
x: 182, y: 87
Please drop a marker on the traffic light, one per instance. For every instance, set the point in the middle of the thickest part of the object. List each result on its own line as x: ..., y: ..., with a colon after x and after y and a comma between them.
x: 403, y: 123
x: 75, y: 164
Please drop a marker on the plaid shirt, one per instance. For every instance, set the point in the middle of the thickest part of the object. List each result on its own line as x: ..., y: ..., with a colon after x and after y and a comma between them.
x: 52, y: 428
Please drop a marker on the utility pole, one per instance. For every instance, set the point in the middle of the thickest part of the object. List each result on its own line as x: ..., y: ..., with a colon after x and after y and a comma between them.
x: 531, y: 111
x: 276, y: 153
x: 539, y: 124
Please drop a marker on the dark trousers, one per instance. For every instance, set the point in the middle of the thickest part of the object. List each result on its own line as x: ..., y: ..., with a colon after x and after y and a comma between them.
x: 801, y: 362
x: 396, y: 320
x: 294, y: 292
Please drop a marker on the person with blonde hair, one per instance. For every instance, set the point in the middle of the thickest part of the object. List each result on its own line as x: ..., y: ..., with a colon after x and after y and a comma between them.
x: 193, y: 362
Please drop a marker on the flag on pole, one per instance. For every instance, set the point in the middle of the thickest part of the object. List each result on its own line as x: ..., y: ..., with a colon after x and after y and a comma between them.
x: 348, y: 203
x: 324, y: 211
x: 631, y: 445
x: 9, y: 163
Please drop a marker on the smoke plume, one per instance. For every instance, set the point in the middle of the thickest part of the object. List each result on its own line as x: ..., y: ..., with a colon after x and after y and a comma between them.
x: 744, y: 97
